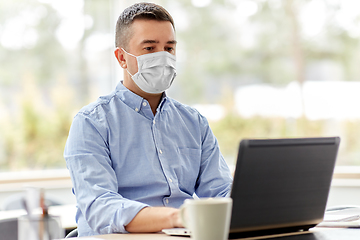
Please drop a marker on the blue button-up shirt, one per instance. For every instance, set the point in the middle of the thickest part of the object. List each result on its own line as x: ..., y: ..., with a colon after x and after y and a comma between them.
x: 122, y: 158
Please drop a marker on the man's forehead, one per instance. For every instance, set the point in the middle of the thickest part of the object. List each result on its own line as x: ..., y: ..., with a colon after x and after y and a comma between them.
x: 151, y: 27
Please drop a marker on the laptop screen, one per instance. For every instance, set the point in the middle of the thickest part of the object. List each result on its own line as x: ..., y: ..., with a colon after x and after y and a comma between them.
x: 282, y: 183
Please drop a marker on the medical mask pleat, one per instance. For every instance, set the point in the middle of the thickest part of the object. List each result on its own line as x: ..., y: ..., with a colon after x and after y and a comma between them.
x: 160, y: 61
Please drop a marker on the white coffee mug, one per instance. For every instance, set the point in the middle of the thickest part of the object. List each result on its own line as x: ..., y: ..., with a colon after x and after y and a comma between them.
x: 207, y: 218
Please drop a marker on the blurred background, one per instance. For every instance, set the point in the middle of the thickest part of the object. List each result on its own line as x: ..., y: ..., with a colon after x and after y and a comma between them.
x: 254, y: 68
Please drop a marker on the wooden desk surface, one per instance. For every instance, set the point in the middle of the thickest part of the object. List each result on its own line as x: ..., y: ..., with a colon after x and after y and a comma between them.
x: 315, y: 234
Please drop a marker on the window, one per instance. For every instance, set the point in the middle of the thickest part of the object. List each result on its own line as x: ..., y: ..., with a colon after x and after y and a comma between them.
x: 254, y: 68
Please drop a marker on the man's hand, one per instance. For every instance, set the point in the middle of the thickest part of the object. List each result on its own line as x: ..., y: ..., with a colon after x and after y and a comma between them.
x: 154, y: 219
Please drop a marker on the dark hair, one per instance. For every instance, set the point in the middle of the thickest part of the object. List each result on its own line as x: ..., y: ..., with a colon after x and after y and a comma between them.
x: 148, y: 11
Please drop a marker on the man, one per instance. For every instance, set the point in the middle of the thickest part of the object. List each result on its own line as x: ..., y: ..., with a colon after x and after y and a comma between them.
x: 135, y: 155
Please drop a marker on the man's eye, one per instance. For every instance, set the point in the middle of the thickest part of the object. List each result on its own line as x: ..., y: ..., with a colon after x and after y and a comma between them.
x: 149, y: 48
x: 169, y: 49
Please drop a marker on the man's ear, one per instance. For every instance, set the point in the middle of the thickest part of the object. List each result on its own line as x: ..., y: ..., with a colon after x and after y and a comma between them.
x: 119, y: 54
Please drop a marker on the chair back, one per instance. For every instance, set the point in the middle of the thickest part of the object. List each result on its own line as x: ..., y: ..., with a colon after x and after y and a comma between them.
x: 73, y: 233
x: 9, y: 229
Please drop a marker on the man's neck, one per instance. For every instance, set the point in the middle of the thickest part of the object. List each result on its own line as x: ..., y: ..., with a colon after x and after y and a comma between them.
x: 153, y: 99
x: 154, y: 102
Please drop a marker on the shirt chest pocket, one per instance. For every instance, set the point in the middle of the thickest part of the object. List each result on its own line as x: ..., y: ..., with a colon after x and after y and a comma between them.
x: 188, y: 168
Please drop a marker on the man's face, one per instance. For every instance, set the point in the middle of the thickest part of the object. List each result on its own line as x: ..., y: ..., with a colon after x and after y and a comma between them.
x: 149, y: 36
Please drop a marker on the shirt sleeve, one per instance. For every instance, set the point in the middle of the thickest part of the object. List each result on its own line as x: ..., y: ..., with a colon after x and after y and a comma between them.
x: 215, y: 178
x: 94, y: 180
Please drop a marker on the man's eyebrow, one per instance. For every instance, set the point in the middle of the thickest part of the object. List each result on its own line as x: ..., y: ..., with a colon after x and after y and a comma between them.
x: 172, y: 42
x: 149, y: 41
x: 155, y: 41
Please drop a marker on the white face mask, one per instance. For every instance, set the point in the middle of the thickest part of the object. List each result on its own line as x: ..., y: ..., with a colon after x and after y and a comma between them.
x: 156, y: 71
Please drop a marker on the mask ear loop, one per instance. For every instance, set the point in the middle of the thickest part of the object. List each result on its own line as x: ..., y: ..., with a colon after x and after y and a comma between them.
x: 129, y: 73
x: 129, y: 53
x: 132, y: 56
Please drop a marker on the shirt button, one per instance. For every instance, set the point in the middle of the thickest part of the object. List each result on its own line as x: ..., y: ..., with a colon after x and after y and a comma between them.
x: 170, y: 179
x: 160, y: 151
x: 136, y: 109
x: 144, y: 104
x: 167, y: 201
x: 153, y: 121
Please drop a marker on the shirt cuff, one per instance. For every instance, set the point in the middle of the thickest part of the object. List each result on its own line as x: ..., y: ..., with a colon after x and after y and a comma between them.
x: 127, y: 213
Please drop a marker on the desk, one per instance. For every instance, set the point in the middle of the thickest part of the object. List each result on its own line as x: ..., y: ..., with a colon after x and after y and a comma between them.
x: 316, y: 234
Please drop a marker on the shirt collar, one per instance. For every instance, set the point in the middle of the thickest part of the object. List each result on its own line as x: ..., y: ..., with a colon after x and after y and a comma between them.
x: 128, y: 97
x: 162, y: 101
x: 133, y: 100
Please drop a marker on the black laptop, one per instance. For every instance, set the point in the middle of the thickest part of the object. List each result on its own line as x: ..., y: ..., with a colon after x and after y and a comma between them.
x: 281, y: 185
